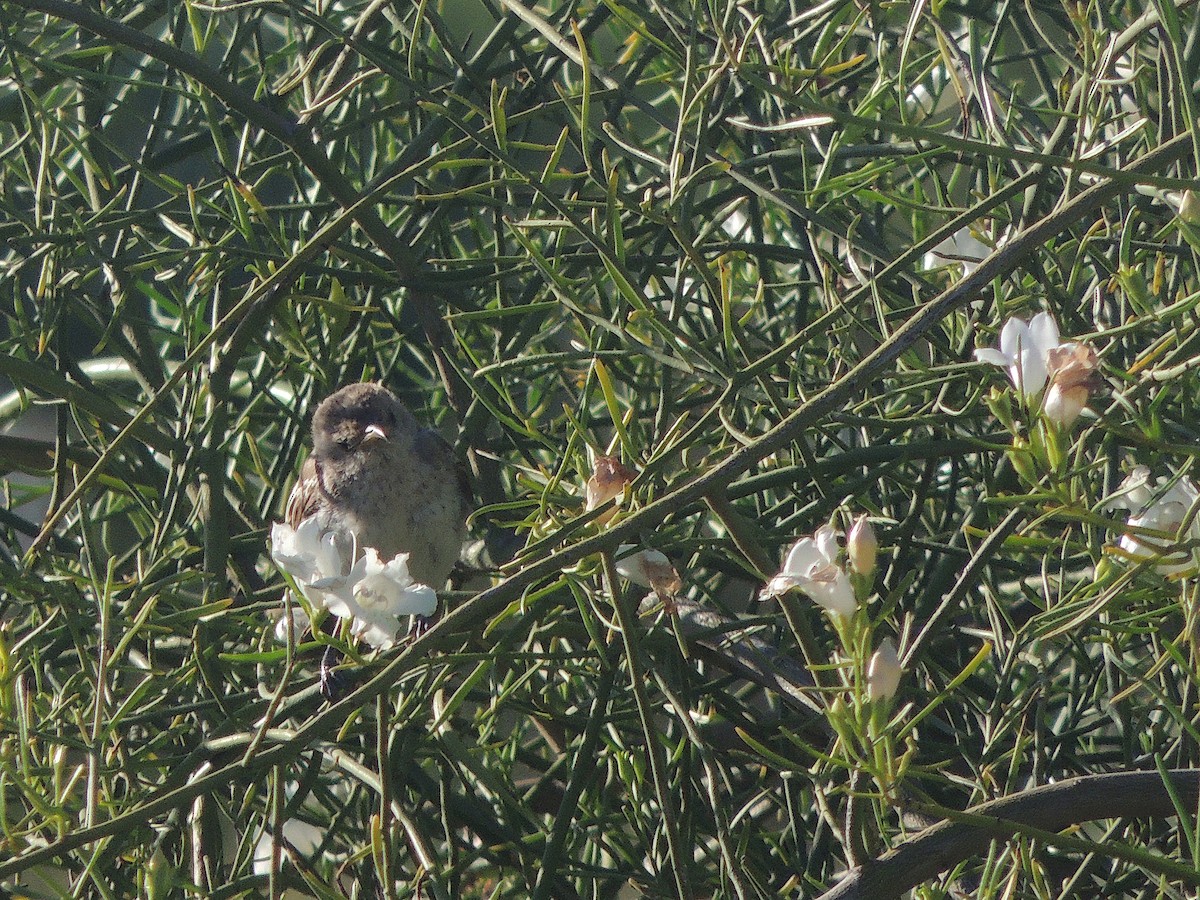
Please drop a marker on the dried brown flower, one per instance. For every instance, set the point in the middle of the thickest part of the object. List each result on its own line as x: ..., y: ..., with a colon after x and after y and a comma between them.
x: 1072, y: 369
x: 608, y: 481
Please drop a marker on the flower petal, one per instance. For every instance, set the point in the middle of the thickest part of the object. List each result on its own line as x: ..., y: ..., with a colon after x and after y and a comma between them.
x: 779, y: 585
x: 1044, y: 331
x: 1064, y: 406
x: 1182, y: 492
x: 1134, y: 492
x: 1030, y: 373
x: 802, y: 558
x: 283, y: 544
x: 962, y: 247
x: 1161, y: 510
x: 289, y: 554
x: 1167, y: 563
x: 1014, y: 336
x: 827, y: 544
x: 831, y: 588
x: 991, y: 356
x: 329, y: 557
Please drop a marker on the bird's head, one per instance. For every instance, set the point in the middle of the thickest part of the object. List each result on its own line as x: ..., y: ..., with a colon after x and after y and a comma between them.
x: 360, y: 419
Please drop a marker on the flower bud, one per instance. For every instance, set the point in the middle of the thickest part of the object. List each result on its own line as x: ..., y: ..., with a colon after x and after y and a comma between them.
x: 862, y: 547
x: 1189, y: 208
x: 1020, y: 454
x: 883, y: 672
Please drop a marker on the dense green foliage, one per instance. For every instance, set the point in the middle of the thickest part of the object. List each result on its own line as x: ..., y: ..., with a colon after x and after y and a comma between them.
x: 691, y: 236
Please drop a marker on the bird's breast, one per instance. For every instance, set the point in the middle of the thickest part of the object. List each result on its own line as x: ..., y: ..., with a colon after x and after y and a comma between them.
x: 398, y: 504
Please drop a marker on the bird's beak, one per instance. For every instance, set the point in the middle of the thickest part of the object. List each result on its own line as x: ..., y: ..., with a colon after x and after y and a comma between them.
x: 374, y: 433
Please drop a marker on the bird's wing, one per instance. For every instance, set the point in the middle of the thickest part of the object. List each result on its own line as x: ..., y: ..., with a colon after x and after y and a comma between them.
x: 434, y: 448
x: 306, y: 495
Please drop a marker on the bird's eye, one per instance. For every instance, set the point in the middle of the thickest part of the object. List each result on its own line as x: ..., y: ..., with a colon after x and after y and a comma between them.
x: 346, y: 441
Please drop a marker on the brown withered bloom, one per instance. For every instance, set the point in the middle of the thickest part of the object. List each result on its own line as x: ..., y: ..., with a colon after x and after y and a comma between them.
x: 1072, y: 370
x: 651, y: 569
x: 608, y: 480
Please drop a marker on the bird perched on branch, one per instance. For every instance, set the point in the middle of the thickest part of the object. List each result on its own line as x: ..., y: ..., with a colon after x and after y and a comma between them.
x: 376, y: 475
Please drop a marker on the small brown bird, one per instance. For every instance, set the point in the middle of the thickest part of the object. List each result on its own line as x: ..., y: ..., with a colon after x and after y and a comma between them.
x: 374, y: 473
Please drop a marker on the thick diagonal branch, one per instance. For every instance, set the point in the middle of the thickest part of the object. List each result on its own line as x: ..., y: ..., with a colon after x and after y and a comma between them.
x: 1119, y: 795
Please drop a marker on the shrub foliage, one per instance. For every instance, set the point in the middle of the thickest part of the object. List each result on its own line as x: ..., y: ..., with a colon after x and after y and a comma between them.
x: 693, y: 236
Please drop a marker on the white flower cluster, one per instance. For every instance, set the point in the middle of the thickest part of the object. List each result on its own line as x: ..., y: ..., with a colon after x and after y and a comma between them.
x: 812, y: 568
x: 1161, y: 508
x: 1038, y: 360
x: 373, y: 594
x: 1033, y: 353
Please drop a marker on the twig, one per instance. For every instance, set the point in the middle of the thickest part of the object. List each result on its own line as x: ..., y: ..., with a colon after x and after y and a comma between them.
x: 1045, y: 809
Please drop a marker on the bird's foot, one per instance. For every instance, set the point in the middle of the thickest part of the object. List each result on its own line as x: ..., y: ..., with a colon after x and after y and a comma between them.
x: 332, y: 682
x: 421, y: 624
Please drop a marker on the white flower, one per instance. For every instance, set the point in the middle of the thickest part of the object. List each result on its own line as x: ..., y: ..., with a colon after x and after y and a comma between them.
x: 1135, y: 492
x: 375, y: 594
x: 306, y: 553
x: 300, y: 623
x: 650, y: 569
x: 1024, y: 350
x: 811, y: 567
x: 1162, y: 508
x: 883, y: 672
x: 1033, y: 354
x: 297, y: 839
x: 962, y: 248
x: 862, y: 546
